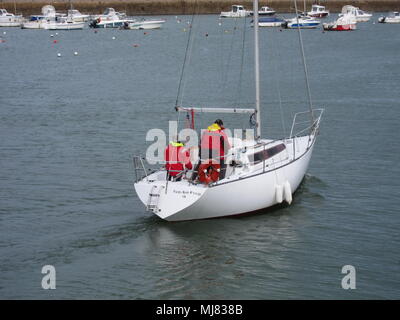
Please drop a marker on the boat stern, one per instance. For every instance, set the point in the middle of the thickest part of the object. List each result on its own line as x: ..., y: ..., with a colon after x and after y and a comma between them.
x: 167, y: 198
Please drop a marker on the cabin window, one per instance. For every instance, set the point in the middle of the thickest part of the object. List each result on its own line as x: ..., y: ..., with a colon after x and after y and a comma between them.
x: 265, y: 154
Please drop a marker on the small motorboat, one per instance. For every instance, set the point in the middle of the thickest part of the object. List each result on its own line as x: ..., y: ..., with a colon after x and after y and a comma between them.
x: 303, y: 22
x: 393, y: 17
x: 238, y: 11
x: 9, y: 20
x: 143, y: 25
x: 270, y: 22
x: 64, y: 23
x: 318, y: 11
x: 360, y: 15
x: 77, y: 16
x: 48, y: 16
x: 109, y: 19
x: 265, y: 11
x: 346, y: 22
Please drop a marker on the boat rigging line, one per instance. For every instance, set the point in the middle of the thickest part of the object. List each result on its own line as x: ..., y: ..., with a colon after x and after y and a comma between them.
x: 304, y: 61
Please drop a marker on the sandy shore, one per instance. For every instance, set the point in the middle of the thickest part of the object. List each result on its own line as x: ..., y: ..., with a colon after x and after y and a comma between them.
x: 162, y: 7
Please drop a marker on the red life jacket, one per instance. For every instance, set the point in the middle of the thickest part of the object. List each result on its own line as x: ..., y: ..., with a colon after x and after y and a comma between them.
x: 214, y: 143
x: 177, y: 158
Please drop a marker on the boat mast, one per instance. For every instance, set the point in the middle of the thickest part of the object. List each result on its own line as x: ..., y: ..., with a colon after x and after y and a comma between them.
x: 257, y: 69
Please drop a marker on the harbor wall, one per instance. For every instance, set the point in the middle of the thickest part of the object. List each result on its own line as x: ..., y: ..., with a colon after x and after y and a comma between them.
x: 179, y: 7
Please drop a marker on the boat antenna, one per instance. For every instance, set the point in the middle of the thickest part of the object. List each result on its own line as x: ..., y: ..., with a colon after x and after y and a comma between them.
x: 304, y: 63
x: 257, y: 69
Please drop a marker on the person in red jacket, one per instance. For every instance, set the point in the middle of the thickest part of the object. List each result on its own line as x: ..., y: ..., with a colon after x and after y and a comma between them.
x: 177, y: 159
x: 214, y: 145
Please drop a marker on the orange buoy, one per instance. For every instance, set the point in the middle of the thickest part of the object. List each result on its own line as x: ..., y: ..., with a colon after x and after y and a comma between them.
x: 209, y: 172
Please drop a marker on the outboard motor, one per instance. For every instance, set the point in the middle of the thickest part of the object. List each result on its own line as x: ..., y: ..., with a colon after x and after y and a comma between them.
x: 93, y: 23
x: 284, y: 24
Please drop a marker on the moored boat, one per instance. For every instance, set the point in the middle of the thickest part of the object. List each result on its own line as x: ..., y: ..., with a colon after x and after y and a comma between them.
x: 303, y: 22
x: 265, y: 11
x: 360, y: 15
x: 346, y: 22
x: 77, y: 16
x: 64, y: 23
x: 143, y: 24
x: 109, y: 19
x: 8, y: 19
x: 237, y: 11
x: 48, y: 16
x: 270, y: 21
x: 318, y: 11
x: 393, y: 17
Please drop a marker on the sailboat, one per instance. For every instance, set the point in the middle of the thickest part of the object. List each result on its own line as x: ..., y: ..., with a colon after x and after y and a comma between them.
x: 260, y: 172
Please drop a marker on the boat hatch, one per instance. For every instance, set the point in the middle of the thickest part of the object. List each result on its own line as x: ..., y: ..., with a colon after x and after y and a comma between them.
x: 267, y: 153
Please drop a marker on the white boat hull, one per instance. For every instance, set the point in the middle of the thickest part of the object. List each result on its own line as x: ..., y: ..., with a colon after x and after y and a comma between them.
x: 65, y: 26
x: 46, y: 25
x: 180, y: 201
x: 146, y: 25
x: 365, y: 18
x: 9, y: 19
x: 15, y: 23
x: 230, y: 14
x: 270, y: 24
x: 389, y: 20
x: 33, y: 25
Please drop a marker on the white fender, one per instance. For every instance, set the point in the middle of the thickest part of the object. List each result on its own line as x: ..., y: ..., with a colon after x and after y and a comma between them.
x: 278, y: 193
x: 288, y: 192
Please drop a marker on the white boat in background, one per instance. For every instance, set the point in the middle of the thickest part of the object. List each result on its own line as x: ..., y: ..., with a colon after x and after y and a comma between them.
x: 238, y: 11
x: 144, y: 24
x: 393, y: 17
x: 346, y: 22
x: 360, y: 15
x: 260, y: 173
x: 57, y: 23
x: 109, y: 19
x: 77, y: 16
x: 34, y: 24
x: 48, y: 16
x: 64, y: 23
x: 318, y: 11
x: 110, y: 14
x: 265, y: 11
x: 9, y: 20
x: 303, y: 22
x: 270, y: 22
